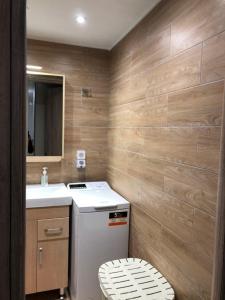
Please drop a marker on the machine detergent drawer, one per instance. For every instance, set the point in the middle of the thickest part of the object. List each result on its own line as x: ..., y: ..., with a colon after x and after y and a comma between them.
x: 51, y: 229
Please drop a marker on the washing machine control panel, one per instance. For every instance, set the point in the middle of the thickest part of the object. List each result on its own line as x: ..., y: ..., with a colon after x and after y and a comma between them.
x: 97, y: 185
x: 73, y: 186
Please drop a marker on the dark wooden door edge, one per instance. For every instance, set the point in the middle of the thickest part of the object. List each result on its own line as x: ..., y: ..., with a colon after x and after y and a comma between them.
x: 12, y: 148
x: 5, y: 149
x: 18, y: 113
x: 218, y: 286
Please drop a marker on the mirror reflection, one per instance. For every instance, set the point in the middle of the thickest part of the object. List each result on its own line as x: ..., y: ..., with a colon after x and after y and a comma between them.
x: 44, y: 114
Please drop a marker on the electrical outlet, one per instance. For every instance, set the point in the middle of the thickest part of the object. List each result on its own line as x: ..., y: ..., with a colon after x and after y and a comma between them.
x: 81, y: 163
x: 81, y: 154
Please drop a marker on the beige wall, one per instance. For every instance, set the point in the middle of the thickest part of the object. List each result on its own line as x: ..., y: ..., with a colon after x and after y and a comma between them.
x: 167, y: 93
x: 86, y: 119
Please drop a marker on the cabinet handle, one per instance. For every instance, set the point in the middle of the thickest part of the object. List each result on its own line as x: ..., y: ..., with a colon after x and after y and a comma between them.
x: 40, y: 255
x: 53, y: 231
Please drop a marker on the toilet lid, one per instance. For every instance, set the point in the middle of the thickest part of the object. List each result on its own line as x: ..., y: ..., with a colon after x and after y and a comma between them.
x: 133, y: 278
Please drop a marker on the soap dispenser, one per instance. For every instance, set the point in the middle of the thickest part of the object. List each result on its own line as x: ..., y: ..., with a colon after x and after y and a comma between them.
x: 44, y: 177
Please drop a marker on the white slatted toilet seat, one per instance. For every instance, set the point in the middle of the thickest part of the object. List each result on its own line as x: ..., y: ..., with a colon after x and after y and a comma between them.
x: 133, y: 278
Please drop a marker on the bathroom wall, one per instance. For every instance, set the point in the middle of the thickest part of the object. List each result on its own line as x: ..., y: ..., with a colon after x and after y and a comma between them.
x: 167, y: 94
x: 86, y: 119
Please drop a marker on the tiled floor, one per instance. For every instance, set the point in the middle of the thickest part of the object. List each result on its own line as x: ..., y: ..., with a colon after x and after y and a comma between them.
x: 51, y: 295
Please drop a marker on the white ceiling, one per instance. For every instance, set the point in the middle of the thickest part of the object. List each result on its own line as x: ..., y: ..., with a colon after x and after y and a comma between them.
x: 108, y: 21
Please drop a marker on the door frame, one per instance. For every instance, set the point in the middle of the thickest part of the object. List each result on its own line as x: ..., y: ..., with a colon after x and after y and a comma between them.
x: 12, y: 148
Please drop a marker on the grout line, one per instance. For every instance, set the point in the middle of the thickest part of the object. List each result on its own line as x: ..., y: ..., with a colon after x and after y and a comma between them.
x: 201, y: 63
x: 172, y: 92
x: 223, y: 121
x: 212, y: 36
x: 165, y: 127
x: 170, y: 58
x: 171, y: 52
x: 83, y: 126
x: 166, y: 161
x: 139, y: 180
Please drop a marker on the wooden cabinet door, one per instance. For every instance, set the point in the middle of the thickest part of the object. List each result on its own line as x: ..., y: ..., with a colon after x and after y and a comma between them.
x: 52, y: 265
x: 31, y: 257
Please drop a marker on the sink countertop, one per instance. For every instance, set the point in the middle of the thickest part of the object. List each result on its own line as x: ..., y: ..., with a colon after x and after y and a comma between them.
x: 47, y: 196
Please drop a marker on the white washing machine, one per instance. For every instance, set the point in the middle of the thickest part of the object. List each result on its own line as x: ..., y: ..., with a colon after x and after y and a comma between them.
x: 100, y: 232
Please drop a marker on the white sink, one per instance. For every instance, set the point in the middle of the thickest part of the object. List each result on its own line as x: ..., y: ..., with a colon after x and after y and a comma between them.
x: 51, y: 195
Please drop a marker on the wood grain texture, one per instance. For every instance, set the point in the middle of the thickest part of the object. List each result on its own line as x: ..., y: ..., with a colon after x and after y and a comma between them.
x: 18, y: 144
x: 198, y: 147
x: 213, y: 58
x: 47, y: 212
x: 5, y: 147
x: 202, y: 21
x: 150, y: 111
x: 86, y: 119
x: 196, y: 106
x: 53, y: 272
x: 31, y: 257
x: 165, y: 117
x: 193, y: 186
x: 60, y: 227
x: 179, y: 72
x: 12, y: 162
x: 218, y: 287
x: 153, y: 50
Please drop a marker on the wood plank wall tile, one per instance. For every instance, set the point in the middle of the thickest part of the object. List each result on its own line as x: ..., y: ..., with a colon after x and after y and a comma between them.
x: 86, y: 119
x: 150, y: 111
x: 213, y: 58
x: 151, y: 51
x: 180, y: 72
x: 196, y: 106
x: 204, y: 20
x: 166, y: 102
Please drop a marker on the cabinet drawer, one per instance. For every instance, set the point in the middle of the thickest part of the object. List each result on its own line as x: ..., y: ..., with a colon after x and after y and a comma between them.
x: 52, y: 229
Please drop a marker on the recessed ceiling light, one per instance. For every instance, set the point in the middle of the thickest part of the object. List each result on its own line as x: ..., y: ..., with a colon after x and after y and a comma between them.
x: 31, y: 67
x: 80, y: 19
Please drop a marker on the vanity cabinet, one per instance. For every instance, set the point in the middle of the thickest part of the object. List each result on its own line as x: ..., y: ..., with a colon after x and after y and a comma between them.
x: 47, y: 244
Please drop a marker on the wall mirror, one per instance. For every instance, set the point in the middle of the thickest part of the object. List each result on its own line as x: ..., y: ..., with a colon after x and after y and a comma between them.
x: 45, y: 116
